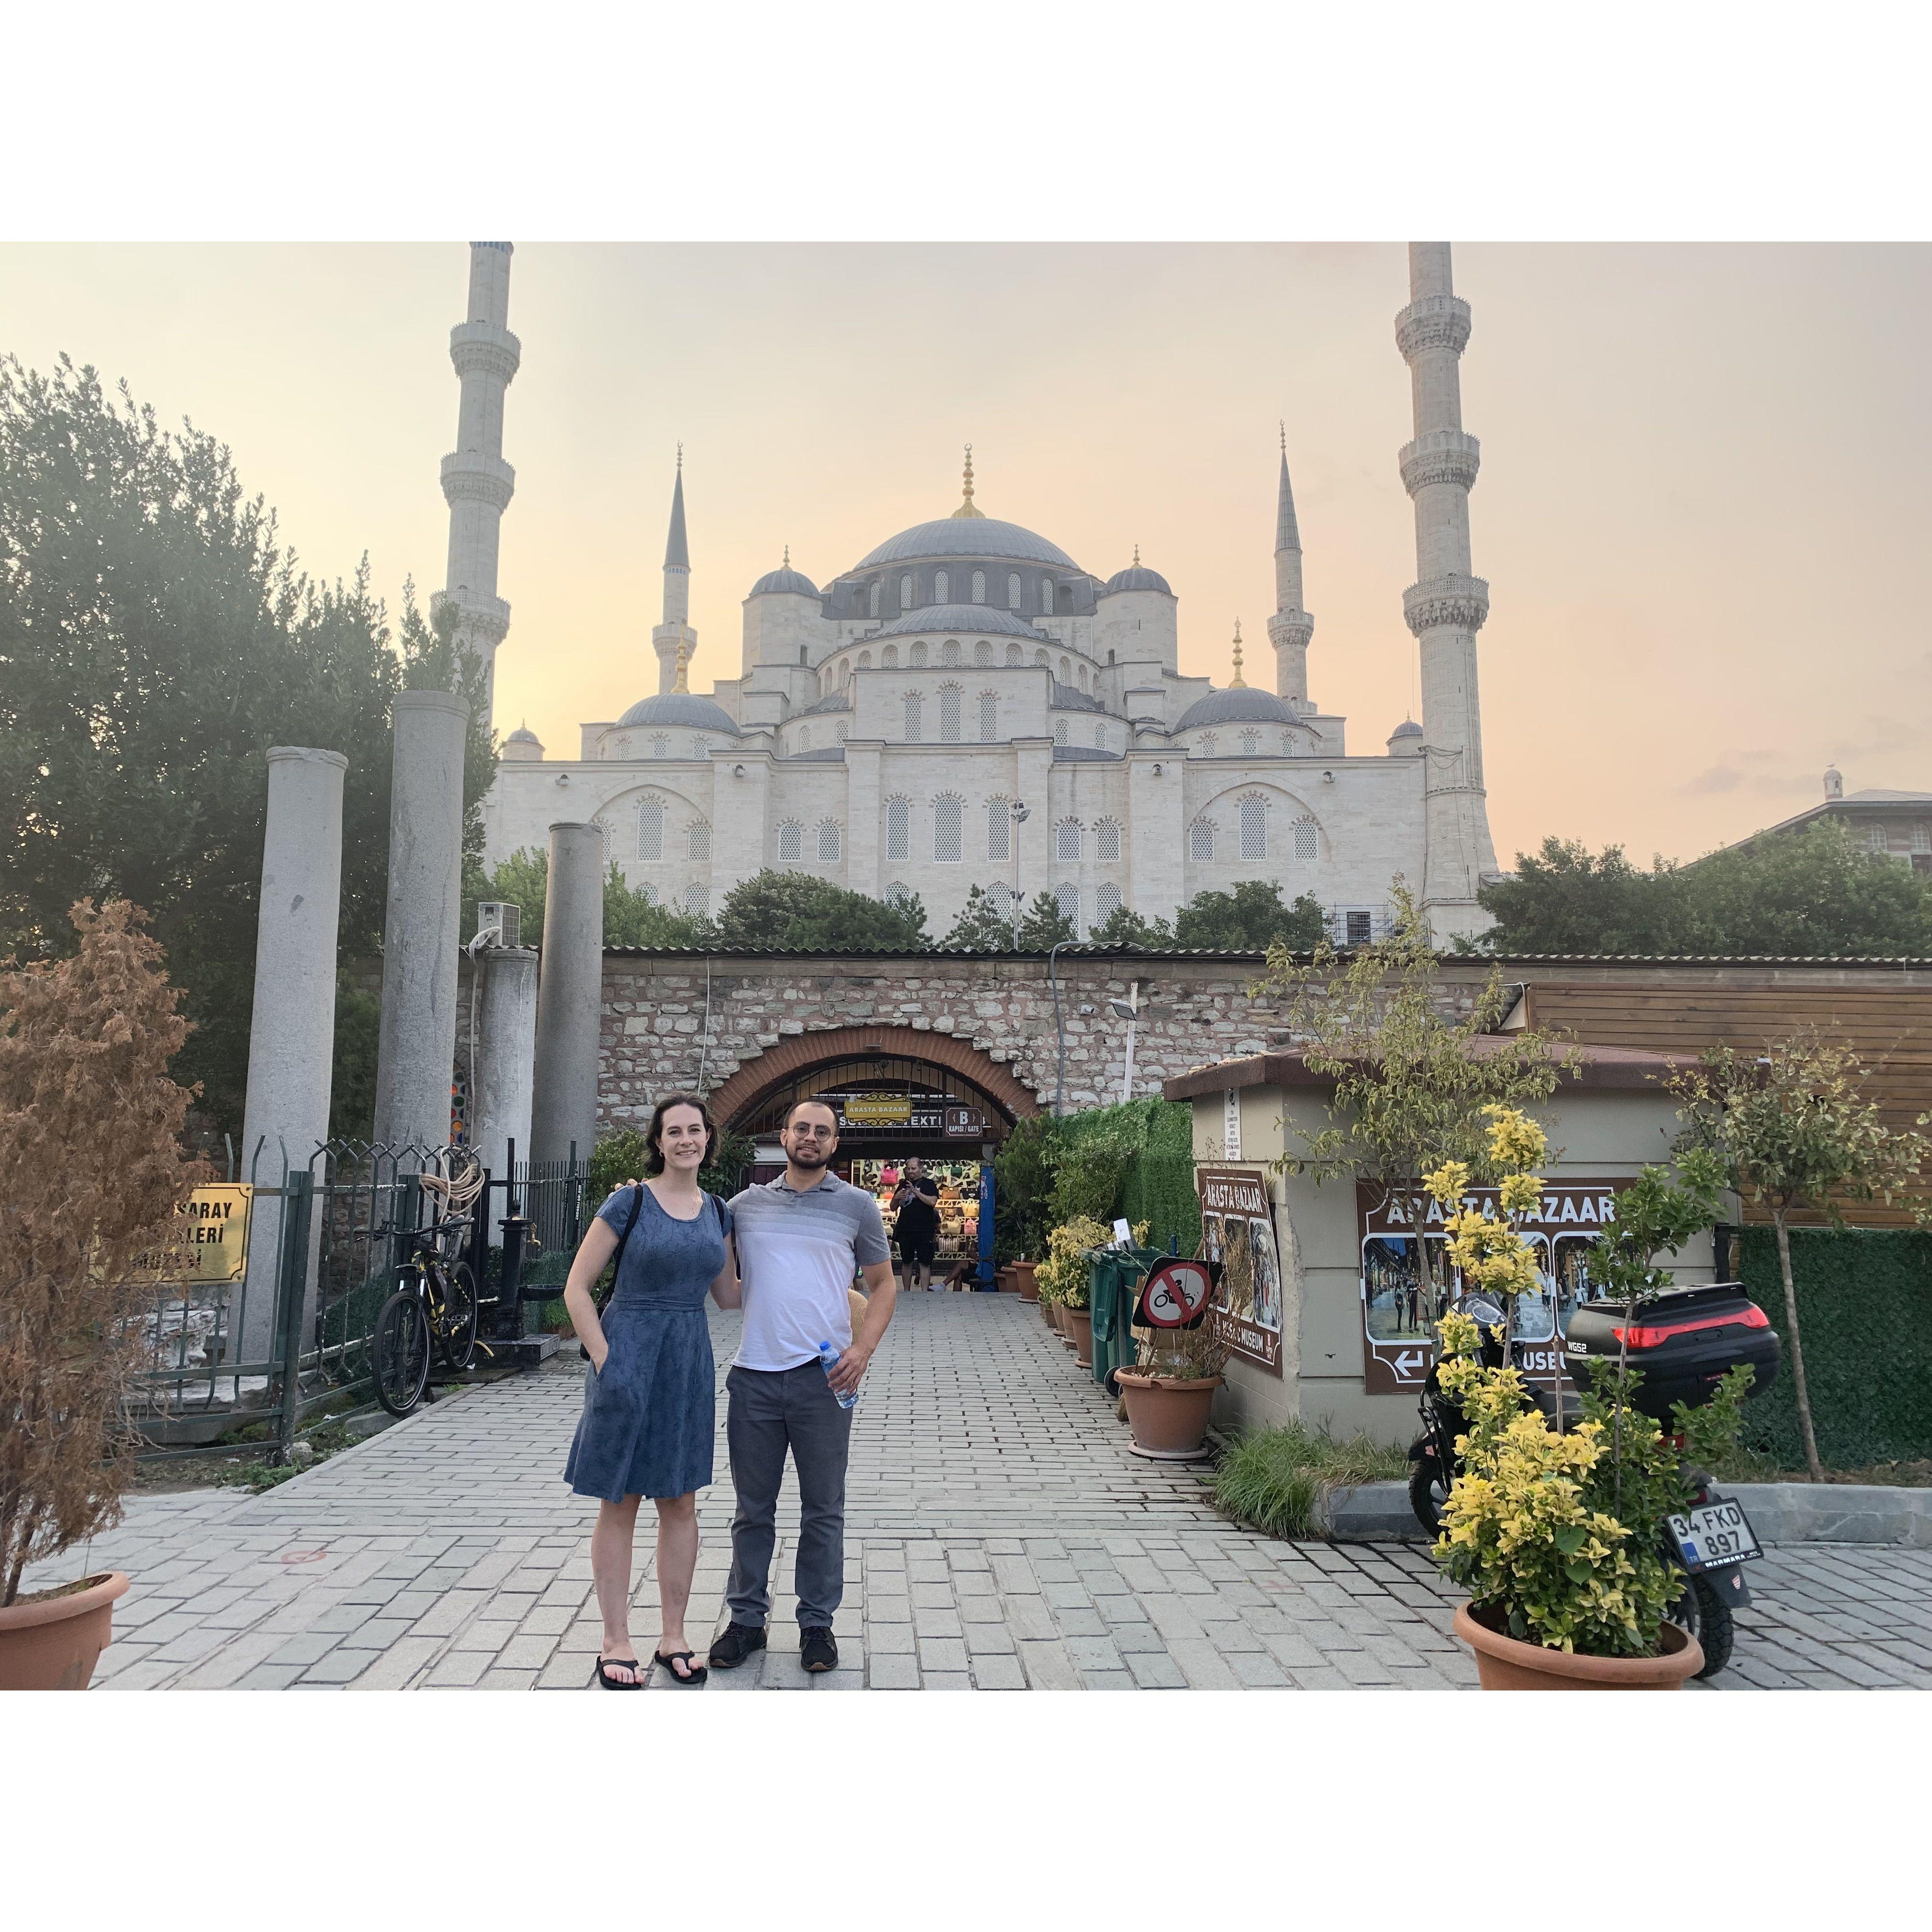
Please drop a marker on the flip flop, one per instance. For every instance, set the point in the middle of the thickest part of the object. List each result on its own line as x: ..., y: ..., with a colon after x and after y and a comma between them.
x: 698, y: 1672
x: 606, y: 1664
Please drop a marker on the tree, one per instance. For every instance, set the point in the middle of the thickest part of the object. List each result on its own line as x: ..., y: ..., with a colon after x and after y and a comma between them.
x: 797, y: 911
x: 1250, y: 919
x: 155, y: 640
x: 1411, y: 1085
x: 1043, y: 925
x: 630, y: 919
x: 1794, y: 1131
x: 985, y: 924
x: 1123, y: 926
x: 1564, y: 898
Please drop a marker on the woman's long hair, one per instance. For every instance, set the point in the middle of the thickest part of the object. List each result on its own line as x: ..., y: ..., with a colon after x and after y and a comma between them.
x: 654, y: 1159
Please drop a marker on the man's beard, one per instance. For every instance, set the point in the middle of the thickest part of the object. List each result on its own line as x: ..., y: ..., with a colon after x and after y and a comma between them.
x: 810, y: 1159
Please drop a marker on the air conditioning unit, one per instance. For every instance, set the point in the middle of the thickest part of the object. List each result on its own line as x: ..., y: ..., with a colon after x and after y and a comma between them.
x: 504, y: 914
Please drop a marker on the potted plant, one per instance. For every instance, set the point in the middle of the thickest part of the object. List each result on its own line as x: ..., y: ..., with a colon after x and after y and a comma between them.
x: 1556, y: 1533
x: 1063, y: 1277
x: 1170, y: 1390
x: 1023, y: 1284
x: 90, y: 1174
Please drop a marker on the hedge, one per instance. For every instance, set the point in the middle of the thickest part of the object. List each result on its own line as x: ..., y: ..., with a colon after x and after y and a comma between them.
x: 1159, y: 1187
x: 1864, y: 1307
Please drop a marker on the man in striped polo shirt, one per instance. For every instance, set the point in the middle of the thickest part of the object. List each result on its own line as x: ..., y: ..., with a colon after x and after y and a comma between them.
x: 800, y: 1238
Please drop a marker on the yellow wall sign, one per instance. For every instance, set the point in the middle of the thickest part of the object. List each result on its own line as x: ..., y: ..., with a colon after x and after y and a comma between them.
x: 210, y: 1236
x: 876, y: 1110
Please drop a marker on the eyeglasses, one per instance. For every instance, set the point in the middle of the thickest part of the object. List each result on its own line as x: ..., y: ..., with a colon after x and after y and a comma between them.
x: 803, y: 1133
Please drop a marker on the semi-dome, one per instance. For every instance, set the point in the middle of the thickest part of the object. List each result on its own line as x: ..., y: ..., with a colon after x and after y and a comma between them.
x: 684, y: 708
x: 980, y: 617
x: 1137, y: 576
x: 1241, y: 704
x: 784, y: 579
x: 968, y: 536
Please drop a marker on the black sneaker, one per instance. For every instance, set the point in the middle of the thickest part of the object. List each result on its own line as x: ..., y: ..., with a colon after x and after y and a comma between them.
x: 738, y: 1642
x: 816, y: 1649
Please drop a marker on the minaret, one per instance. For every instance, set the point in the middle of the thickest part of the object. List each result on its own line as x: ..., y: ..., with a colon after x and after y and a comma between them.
x: 477, y: 483
x: 675, y: 629
x: 1446, y: 605
x: 1291, y: 627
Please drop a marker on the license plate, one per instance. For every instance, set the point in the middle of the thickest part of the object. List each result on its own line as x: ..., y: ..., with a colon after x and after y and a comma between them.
x: 1715, y: 1534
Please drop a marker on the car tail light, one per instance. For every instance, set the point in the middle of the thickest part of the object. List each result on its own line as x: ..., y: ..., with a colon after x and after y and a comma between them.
x: 1643, y: 1337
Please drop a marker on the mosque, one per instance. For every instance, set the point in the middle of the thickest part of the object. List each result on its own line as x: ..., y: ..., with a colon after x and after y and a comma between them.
x: 968, y: 705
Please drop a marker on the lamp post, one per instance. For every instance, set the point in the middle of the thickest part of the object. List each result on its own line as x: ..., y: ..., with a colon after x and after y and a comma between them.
x: 1020, y: 815
x: 1128, y: 1009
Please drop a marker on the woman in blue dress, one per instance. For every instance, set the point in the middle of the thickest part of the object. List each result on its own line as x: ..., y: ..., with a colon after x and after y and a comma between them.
x: 649, y: 1394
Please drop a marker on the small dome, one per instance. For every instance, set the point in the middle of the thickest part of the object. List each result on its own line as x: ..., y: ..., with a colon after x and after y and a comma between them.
x: 776, y: 582
x: 1241, y: 705
x: 522, y: 735
x: 1137, y: 576
x: 1407, y: 728
x: 982, y: 618
x: 681, y: 707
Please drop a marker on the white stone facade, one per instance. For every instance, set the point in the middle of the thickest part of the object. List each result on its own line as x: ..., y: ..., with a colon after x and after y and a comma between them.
x: 882, y: 726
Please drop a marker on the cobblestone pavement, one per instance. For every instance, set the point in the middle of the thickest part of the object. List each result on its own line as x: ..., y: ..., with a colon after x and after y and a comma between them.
x: 999, y: 1537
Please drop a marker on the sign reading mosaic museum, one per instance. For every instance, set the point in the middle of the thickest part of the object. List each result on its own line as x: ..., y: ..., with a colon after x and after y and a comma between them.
x: 1399, y: 1315
x: 1237, y: 1243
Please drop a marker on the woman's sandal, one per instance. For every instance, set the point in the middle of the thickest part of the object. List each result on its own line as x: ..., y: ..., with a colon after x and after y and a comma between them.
x: 605, y: 1665
x: 698, y: 1672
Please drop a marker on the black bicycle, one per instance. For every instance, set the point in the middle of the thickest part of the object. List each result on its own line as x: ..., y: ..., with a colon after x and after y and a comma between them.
x: 432, y: 1313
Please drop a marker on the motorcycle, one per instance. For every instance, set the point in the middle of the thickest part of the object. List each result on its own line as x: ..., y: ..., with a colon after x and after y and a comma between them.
x: 1685, y: 1342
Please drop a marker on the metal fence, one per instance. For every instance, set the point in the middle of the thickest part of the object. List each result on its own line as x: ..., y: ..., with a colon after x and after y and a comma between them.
x: 327, y: 1241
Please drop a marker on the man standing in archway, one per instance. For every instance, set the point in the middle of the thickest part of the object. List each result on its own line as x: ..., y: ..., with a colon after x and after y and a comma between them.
x: 916, y: 1223
x: 800, y: 1239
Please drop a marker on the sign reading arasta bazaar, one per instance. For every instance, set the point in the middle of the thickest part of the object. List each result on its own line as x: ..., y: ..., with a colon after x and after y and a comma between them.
x: 1399, y: 1315
x: 1238, y: 1243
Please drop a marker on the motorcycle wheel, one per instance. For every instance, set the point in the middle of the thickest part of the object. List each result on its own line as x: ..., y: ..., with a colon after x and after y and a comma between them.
x: 1702, y: 1612
x: 1427, y: 1492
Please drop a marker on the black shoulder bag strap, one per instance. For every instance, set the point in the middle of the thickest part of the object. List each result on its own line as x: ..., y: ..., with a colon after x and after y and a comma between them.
x: 623, y: 1240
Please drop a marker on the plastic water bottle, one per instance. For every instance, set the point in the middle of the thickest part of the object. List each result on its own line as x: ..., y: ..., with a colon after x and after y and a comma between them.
x: 828, y: 1360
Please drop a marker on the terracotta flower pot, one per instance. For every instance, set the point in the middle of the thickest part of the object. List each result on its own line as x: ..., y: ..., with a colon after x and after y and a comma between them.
x: 1502, y: 1664
x: 1169, y: 1417
x: 1081, y: 1322
x: 1023, y: 1279
x: 53, y: 1644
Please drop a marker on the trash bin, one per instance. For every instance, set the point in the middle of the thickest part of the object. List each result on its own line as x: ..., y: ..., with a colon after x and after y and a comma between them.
x: 1114, y: 1284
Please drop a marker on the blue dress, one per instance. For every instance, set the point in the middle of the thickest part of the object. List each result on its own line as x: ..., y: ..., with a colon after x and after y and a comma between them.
x: 650, y: 1413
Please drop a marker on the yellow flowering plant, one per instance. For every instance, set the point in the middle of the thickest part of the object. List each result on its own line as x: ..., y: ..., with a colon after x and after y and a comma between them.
x: 1062, y: 1277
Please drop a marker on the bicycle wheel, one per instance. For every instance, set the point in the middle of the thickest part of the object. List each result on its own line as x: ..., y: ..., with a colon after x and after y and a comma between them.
x: 400, y: 1349
x: 456, y: 1324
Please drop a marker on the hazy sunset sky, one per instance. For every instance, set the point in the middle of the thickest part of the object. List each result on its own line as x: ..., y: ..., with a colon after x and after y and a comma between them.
x: 1702, y: 510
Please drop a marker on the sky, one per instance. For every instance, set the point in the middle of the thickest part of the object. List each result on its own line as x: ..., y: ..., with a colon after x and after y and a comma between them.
x: 1701, y: 512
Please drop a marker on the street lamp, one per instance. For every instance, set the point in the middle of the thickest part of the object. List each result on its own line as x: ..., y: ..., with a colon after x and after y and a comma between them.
x: 1020, y: 815
x: 1128, y: 1009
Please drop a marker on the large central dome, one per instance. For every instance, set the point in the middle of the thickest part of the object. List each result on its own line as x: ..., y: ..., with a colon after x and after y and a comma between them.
x: 968, y: 536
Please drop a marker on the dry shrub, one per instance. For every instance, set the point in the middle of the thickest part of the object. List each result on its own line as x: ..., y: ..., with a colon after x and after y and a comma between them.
x: 91, y: 1173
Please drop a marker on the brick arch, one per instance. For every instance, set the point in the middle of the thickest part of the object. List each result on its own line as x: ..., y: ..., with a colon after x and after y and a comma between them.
x: 799, y: 1052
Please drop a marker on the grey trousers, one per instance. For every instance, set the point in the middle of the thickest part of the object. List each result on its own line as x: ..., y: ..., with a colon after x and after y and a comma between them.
x: 771, y: 1410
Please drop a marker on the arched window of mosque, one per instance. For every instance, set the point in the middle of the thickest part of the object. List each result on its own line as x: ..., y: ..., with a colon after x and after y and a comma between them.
x: 889, y: 658
x: 949, y: 652
x: 1099, y: 737
x: 1306, y: 844
x: 1254, y: 827
x: 1014, y: 655
x: 1066, y: 896
x: 697, y: 902
x: 804, y: 738
x: 898, y: 829
x: 866, y: 659
x: 1251, y: 744
x: 918, y: 654
x: 905, y: 594
x: 897, y: 893
x: 999, y: 900
x: 697, y: 839
x: 829, y: 842
x: 1083, y: 677
x: 1065, y: 671
x: 1039, y: 658
x: 989, y: 717
x: 661, y: 744
x: 1013, y: 591
x: 1106, y: 903
x: 1210, y: 744
x: 841, y: 734
x: 979, y: 586
x: 948, y: 840
x: 650, y: 829
x: 872, y: 598
x: 999, y: 829
x: 982, y: 651
x: 1066, y: 842
x: 1046, y: 595
x: 949, y: 696
x: 791, y: 842
x: 914, y: 706
x: 1107, y: 841
x: 942, y: 584
x: 1059, y: 731
x: 701, y: 747
x: 648, y: 892
x: 1201, y: 840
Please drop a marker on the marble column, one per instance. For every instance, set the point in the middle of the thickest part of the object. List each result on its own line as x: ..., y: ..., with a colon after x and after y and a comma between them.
x: 506, y: 1056
x: 570, y: 997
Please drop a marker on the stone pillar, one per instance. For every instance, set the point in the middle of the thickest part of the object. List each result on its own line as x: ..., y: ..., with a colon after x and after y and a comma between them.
x: 506, y: 1056
x: 292, y: 1037
x: 570, y: 997
x: 417, y: 1058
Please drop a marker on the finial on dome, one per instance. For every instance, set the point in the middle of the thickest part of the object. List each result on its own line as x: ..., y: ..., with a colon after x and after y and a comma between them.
x: 680, y: 456
x: 1237, y: 683
x: 1137, y: 556
x: 966, y: 507
x: 683, y: 661
x: 787, y: 562
x: 1284, y: 436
